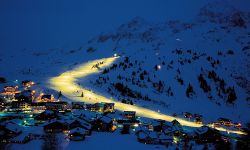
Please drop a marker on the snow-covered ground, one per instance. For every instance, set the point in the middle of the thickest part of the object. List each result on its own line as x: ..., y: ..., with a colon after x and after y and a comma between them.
x: 99, y: 140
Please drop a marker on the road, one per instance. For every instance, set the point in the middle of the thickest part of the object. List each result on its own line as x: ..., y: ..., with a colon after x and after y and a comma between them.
x: 67, y: 83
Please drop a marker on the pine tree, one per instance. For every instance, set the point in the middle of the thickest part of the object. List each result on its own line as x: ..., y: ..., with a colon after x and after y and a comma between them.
x: 189, y: 91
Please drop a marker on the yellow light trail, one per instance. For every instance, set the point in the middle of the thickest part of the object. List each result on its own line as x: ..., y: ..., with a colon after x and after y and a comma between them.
x: 66, y: 82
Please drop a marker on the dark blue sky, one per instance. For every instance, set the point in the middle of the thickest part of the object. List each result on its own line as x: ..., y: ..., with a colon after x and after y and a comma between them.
x: 44, y: 24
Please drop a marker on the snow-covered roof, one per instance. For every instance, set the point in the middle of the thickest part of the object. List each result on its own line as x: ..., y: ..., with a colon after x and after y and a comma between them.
x: 82, y: 122
x: 142, y: 128
x: 16, y: 121
x: 77, y: 130
x: 48, y: 112
x: 142, y: 135
x: 51, y: 121
x: 48, y: 96
x: 155, y: 123
x: 20, y: 137
x: 87, y: 115
x: 106, y: 119
x: 202, y: 130
x: 153, y: 135
x: 163, y: 136
x: 78, y: 103
x: 13, y: 127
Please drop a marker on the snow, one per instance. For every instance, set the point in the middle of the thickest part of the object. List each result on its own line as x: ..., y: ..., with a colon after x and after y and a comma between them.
x: 52, y: 37
x: 77, y: 130
x: 13, y: 127
x: 106, y: 119
x: 112, y: 141
x: 142, y: 135
x: 165, y: 137
x: 202, y: 130
x: 20, y: 137
x: 48, y: 112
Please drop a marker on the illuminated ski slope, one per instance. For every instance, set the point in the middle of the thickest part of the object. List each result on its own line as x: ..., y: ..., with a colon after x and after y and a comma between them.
x: 66, y: 83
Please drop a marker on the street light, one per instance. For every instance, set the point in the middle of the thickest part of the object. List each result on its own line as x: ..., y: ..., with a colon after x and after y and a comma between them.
x: 158, y: 67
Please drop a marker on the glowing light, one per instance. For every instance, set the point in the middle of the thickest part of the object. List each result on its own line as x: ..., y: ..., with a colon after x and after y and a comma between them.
x: 136, y: 125
x: 175, y: 140
x: 158, y: 67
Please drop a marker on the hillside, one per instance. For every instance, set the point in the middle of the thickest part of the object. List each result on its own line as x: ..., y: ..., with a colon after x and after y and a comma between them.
x: 173, y: 67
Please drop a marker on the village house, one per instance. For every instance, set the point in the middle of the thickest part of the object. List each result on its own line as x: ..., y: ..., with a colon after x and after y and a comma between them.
x: 144, y: 135
x: 101, y: 107
x: 104, y: 123
x: 26, y: 95
x: 225, y: 122
x: 109, y: 107
x: 90, y: 107
x: 206, y: 134
x: 79, y: 123
x: 237, y: 125
x: 129, y: 114
x: 55, y: 126
x: 187, y: 115
x: 165, y: 139
x: 21, y: 138
x: 174, y: 128
x: 46, y: 115
x: 158, y: 125
x: 10, y: 91
x: 20, y: 105
x: 58, y: 106
x: 28, y: 83
x: 148, y: 137
x: 9, y: 130
x: 47, y: 98
x: 38, y: 106
x: 131, y: 123
x: 78, y: 105
x: 77, y: 134
x: 198, y: 118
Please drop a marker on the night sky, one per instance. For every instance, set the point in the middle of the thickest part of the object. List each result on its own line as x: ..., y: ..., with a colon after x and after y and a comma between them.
x: 44, y: 24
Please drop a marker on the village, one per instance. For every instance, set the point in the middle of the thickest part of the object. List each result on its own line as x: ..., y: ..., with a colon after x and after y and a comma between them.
x: 27, y: 115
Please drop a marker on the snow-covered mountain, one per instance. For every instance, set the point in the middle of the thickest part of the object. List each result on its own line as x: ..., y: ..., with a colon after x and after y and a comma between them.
x: 199, y: 65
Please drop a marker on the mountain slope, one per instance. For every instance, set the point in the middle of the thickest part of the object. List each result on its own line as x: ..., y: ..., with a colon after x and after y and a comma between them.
x: 199, y: 66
